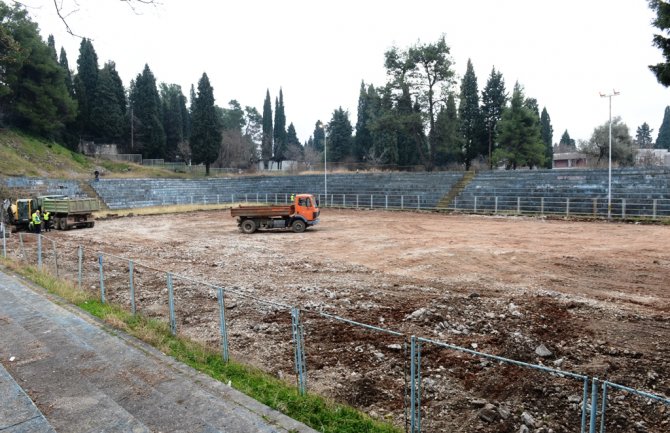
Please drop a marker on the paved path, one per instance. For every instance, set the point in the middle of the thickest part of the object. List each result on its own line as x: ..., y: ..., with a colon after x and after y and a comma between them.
x: 86, y: 377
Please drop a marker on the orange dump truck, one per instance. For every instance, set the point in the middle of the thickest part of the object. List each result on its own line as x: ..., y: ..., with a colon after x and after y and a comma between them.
x: 299, y: 215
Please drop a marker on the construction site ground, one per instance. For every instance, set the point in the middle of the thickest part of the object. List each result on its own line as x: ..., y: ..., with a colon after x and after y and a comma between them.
x: 589, y: 297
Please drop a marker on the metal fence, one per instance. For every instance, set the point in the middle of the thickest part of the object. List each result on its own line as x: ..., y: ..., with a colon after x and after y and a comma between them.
x: 401, y: 370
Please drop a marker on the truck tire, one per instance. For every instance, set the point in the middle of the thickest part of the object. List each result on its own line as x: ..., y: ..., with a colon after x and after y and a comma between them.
x: 248, y: 226
x: 62, y: 224
x: 298, y: 226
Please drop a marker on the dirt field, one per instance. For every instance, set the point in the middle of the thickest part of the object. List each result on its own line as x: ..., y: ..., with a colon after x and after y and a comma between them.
x: 595, y: 294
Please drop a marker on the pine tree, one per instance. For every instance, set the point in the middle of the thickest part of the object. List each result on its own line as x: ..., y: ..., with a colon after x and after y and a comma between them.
x: 85, y: 83
x: 340, y: 138
x: 33, y: 95
x: 266, y: 143
x: 470, y: 115
x: 547, y: 134
x: 520, y: 142
x: 294, y: 150
x: 206, y: 132
x: 663, y: 139
x: 566, y: 144
x: 319, y: 135
x: 643, y: 136
x: 279, y: 133
x: 494, y: 98
x: 149, y: 133
x: 662, y: 22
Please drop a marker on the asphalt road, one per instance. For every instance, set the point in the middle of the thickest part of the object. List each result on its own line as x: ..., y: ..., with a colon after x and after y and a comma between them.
x: 86, y: 377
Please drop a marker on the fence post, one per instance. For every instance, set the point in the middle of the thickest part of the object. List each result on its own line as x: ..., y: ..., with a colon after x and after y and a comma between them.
x: 415, y: 385
x: 53, y: 247
x: 191, y: 199
x: 585, y: 398
x: 386, y: 202
x: 344, y: 200
x: 604, y: 408
x: 418, y: 202
x: 623, y: 208
x: 222, y: 325
x: 541, y: 205
x: 518, y: 205
x: 595, y: 207
x: 217, y: 199
x: 133, y: 308
x: 567, y: 207
x: 299, y: 350
x: 474, y: 207
x: 654, y: 206
x: 80, y: 257
x: 102, y: 280
x: 356, y: 201
x: 495, y: 210
x: 402, y: 202
x: 4, y: 241
x: 23, y: 254
x: 173, y: 321
x: 594, y: 405
x: 372, y: 201
x: 39, y: 251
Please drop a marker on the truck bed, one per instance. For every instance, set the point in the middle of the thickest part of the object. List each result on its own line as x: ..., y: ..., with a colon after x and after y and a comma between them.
x: 262, y: 211
x: 71, y: 206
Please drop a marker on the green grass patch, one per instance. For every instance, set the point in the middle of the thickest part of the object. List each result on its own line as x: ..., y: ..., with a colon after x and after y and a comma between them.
x: 317, y: 412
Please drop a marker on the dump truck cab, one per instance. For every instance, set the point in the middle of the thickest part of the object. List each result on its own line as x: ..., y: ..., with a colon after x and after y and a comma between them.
x: 303, y: 212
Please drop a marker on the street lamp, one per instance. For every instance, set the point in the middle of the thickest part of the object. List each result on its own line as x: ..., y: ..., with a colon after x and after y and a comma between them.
x: 609, y: 174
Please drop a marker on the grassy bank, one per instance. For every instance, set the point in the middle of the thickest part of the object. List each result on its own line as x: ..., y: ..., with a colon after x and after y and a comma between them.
x: 319, y: 413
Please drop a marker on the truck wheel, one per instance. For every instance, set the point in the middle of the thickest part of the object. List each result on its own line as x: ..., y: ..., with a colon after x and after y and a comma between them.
x: 298, y: 226
x: 62, y: 224
x: 248, y: 226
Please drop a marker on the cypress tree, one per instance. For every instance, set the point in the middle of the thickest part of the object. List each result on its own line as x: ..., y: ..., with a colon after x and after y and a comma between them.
x: 363, y: 138
x: 51, y: 43
x: 470, y: 115
x: 280, y: 139
x: 206, y: 128
x: 68, y: 74
x: 145, y: 101
x: 547, y: 134
x: 107, y: 119
x: 85, y: 83
x: 266, y: 140
x: 566, y: 144
x: 663, y: 139
x: 494, y: 99
x: 449, y: 140
x: 173, y: 106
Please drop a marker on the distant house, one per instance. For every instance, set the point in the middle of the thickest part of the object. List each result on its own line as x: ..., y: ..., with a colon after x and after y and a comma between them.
x: 653, y: 157
x: 570, y: 160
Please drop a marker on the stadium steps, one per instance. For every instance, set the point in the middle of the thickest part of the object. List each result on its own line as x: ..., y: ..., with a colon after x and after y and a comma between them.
x: 457, y: 189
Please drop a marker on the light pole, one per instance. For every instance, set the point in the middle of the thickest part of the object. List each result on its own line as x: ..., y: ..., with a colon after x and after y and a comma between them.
x: 325, y: 165
x: 609, y: 173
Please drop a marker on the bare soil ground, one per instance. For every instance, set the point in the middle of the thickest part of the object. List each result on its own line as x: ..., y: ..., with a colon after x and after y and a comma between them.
x: 595, y: 294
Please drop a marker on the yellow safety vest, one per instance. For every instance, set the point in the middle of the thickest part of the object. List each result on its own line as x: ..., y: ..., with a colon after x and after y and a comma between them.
x: 36, y: 219
x: 46, y: 216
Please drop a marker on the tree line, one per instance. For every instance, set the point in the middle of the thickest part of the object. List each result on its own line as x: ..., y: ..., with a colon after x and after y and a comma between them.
x: 422, y: 116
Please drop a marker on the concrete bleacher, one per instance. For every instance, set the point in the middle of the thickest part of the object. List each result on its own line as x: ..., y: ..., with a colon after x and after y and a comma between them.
x: 24, y: 187
x: 410, y: 190
x: 635, y: 191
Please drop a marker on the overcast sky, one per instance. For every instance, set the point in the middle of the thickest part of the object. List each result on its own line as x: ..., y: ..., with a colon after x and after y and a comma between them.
x: 563, y: 53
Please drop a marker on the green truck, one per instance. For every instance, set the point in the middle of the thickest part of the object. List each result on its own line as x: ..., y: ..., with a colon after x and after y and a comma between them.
x: 66, y: 213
